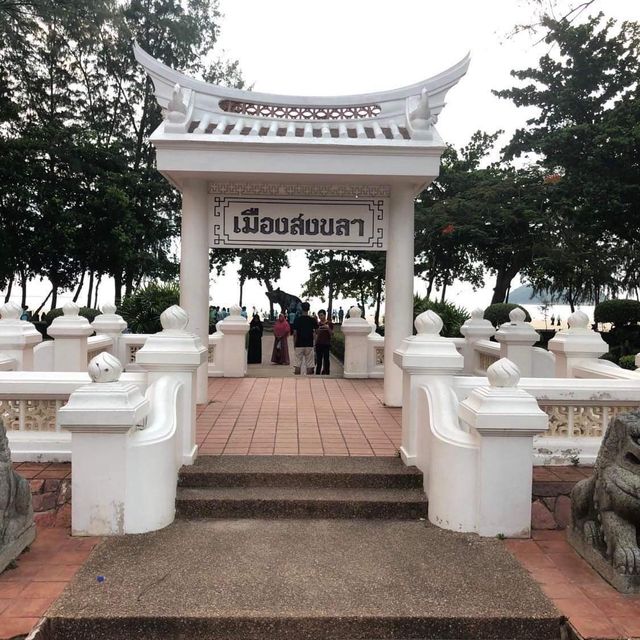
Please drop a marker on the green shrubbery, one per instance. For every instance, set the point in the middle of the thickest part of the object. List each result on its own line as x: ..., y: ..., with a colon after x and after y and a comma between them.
x: 498, y: 313
x: 337, y: 344
x: 85, y: 312
x: 617, y: 312
x: 142, y: 309
x: 628, y: 362
x: 453, y: 317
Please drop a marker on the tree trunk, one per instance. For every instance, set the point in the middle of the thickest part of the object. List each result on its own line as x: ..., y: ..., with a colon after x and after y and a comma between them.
x: 503, y: 283
x: 128, y: 283
x: 430, y: 286
x: 241, y: 289
x: 95, y: 299
x: 54, y: 295
x: 39, y: 309
x: 267, y: 283
x: 76, y: 295
x: 330, y: 300
x: 23, y: 283
x: 506, y: 298
x: 444, y: 291
x: 118, y: 284
x: 376, y: 317
x: 90, y: 292
x: 9, y: 287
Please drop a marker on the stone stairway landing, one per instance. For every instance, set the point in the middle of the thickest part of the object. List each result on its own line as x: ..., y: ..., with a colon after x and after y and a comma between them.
x: 294, y: 487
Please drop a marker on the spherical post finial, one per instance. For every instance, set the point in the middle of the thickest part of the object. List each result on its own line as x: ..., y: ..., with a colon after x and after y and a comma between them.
x: 578, y: 320
x: 428, y: 323
x: 10, y: 311
x: 175, y: 318
x: 477, y: 314
x: 503, y: 373
x: 517, y: 315
x: 105, y: 367
x: 70, y: 309
x: 108, y: 308
x: 355, y: 312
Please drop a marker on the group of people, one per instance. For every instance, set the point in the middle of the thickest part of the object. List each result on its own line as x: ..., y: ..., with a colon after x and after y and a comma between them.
x: 311, y: 341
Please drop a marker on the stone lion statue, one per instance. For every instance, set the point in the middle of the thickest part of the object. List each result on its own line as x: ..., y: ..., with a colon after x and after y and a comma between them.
x: 606, y: 507
x: 286, y: 300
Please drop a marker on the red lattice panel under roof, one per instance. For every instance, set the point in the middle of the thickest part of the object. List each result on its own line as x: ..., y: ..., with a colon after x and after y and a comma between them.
x: 287, y: 112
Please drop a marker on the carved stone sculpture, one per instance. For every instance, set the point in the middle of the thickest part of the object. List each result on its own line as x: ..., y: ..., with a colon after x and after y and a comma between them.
x: 606, y: 507
x: 17, y: 529
x: 286, y: 301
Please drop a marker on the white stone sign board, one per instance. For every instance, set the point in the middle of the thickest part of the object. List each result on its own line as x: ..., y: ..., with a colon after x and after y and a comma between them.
x: 358, y: 223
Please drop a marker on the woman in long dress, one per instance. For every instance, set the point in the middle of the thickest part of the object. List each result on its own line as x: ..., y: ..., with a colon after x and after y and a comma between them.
x: 255, y: 340
x: 281, y: 331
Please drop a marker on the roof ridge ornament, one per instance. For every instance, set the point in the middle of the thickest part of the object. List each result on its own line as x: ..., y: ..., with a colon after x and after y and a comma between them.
x: 421, y: 119
x: 177, y: 109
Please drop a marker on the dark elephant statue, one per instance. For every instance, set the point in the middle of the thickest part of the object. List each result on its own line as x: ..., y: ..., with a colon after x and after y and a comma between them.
x: 285, y: 300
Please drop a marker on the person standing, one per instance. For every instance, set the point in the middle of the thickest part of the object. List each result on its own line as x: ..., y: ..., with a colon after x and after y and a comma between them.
x: 340, y: 315
x: 304, y: 329
x: 281, y: 332
x: 254, y: 355
x: 323, y: 343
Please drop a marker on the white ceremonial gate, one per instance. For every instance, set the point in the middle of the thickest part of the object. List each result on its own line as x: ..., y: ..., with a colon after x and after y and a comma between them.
x: 269, y: 171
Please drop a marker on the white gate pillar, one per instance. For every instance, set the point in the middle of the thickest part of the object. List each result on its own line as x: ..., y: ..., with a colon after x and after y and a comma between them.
x: 398, y: 319
x: 194, y: 268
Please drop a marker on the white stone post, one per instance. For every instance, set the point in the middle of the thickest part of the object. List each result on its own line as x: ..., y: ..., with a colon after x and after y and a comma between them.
x: 194, y: 267
x: 110, y: 324
x: 398, y: 317
x: 516, y: 339
x: 422, y: 358
x: 578, y: 342
x: 506, y: 418
x: 474, y: 329
x: 17, y: 337
x: 70, y: 332
x: 100, y: 417
x: 234, y: 329
x: 356, y: 332
x: 375, y: 345
x: 174, y: 350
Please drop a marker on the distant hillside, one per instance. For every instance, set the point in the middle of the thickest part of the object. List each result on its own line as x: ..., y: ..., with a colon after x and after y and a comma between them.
x: 525, y: 295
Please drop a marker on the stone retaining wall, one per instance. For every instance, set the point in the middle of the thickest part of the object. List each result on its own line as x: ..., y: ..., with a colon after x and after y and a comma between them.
x: 50, y: 492
x: 551, y: 505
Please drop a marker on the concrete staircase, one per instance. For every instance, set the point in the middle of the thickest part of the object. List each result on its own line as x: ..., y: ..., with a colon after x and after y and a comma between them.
x: 300, y: 487
x: 285, y: 548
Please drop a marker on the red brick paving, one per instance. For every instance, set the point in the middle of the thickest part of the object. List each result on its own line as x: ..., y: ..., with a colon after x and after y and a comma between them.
x: 42, y: 573
x: 594, y: 608
x: 297, y: 416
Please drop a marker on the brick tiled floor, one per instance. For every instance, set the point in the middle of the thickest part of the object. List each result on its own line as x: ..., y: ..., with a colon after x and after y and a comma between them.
x: 27, y: 591
x: 297, y: 416
x: 594, y: 608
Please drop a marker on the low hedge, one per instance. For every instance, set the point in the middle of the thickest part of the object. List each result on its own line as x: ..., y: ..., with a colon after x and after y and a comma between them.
x: 617, y: 312
x: 628, y: 362
x: 452, y: 316
x: 337, y: 344
x: 498, y: 313
x: 85, y: 312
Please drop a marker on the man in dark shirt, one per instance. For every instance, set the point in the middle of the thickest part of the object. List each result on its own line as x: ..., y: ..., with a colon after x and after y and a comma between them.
x: 323, y: 343
x: 304, y: 329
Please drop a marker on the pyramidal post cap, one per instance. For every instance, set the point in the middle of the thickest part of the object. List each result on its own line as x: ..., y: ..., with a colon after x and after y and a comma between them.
x: 174, y: 318
x: 428, y: 323
x: 578, y: 320
x: 503, y: 373
x: 10, y: 311
x: 105, y: 367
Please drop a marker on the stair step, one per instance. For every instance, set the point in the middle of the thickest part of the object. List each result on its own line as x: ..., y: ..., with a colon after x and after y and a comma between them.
x: 300, y: 471
x: 292, y: 502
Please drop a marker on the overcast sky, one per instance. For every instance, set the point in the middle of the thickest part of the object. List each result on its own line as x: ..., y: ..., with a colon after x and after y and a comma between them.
x: 336, y: 47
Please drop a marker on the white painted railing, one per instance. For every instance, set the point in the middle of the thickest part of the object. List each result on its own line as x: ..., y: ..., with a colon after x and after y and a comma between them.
x: 98, y: 344
x: 603, y: 369
x: 29, y: 404
x: 487, y: 353
x: 7, y: 363
x: 43, y: 356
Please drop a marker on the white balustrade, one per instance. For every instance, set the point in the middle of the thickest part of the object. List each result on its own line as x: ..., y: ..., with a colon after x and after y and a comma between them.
x: 18, y: 338
x: 516, y: 339
x: 375, y: 354
x: 356, y: 332
x: 70, y: 332
x: 125, y: 451
x: 229, y: 348
x: 476, y: 329
x: 109, y: 324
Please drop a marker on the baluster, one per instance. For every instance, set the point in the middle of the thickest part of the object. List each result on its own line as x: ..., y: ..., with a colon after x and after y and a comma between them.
x: 361, y: 133
x: 395, y: 132
x: 342, y: 131
x: 204, y: 123
x: 291, y: 130
x: 273, y: 129
x: 326, y: 132
x: 308, y: 130
x: 255, y: 130
x: 237, y: 129
x: 220, y: 127
x: 377, y: 131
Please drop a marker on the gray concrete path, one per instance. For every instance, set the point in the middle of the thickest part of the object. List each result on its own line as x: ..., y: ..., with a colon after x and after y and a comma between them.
x: 269, y: 370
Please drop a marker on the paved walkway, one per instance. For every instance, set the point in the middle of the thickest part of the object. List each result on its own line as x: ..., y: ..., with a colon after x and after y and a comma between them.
x: 297, y: 416
x: 268, y: 370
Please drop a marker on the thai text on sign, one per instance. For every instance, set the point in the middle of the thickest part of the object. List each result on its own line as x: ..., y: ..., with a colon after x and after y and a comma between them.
x: 358, y: 223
